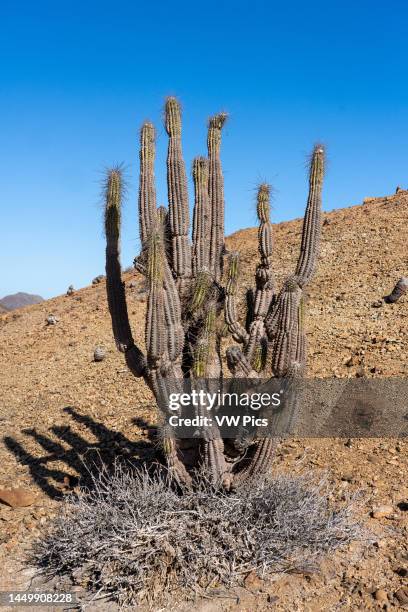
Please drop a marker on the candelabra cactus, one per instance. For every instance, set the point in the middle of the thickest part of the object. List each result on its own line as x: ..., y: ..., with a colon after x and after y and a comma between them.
x: 184, y: 323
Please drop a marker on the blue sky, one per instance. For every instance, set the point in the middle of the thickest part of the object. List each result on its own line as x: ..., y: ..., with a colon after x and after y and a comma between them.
x: 78, y: 78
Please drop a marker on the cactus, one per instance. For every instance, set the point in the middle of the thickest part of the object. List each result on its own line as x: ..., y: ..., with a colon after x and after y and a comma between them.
x: 187, y: 302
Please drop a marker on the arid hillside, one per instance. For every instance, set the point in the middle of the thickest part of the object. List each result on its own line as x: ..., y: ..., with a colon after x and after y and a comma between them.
x: 19, y: 300
x: 57, y: 403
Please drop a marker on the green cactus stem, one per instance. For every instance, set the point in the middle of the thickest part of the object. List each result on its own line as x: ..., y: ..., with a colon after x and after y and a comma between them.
x: 115, y: 288
x: 201, y: 218
x: 177, y: 194
x: 216, y: 194
x: 309, y: 248
x: 147, y: 189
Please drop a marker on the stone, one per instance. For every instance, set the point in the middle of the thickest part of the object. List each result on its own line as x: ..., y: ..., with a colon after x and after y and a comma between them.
x: 402, y: 596
x: 17, y: 498
x: 98, y: 279
x: 382, y: 511
x: 381, y: 595
x: 99, y: 353
x: 51, y: 320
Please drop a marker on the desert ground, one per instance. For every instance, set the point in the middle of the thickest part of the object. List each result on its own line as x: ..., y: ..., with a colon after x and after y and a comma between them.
x: 58, y: 406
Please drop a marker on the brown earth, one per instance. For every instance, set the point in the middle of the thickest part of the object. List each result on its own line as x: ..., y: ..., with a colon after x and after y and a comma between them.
x: 58, y: 405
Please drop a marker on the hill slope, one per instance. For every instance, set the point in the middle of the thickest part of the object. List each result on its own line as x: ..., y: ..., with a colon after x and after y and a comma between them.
x: 19, y: 300
x: 57, y: 404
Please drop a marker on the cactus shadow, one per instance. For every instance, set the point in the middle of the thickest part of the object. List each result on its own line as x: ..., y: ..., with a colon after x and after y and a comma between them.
x: 150, y: 429
x: 65, y: 458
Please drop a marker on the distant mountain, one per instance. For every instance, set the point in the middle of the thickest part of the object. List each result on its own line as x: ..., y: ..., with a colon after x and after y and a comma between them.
x: 18, y: 300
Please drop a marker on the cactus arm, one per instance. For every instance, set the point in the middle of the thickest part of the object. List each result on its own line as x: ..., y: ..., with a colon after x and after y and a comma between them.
x: 177, y: 470
x: 201, y: 216
x: 206, y: 362
x: 177, y: 196
x: 115, y: 288
x: 216, y: 194
x: 264, y: 274
x: 214, y: 462
x: 256, y: 345
x: 310, y: 245
x: 164, y: 338
x: 282, y: 326
x: 172, y: 313
x: 257, y: 463
x: 255, y: 348
x: 237, y: 330
x: 147, y: 189
x: 164, y: 332
x: 172, y: 306
x: 238, y: 364
x: 299, y: 366
x: 155, y: 327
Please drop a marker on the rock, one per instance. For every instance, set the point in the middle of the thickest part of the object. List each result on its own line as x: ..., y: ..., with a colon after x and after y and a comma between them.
x: 377, y: 304
x: 98, y: 279
x: 402, y: 595
x: 132, y: 284
x: 381, y: 596
x: 51, y: 320
x: 398, y: 291
x: 382, y: 511
x: 99, y: 353
x: 349, y: 362
x: 17, y: 498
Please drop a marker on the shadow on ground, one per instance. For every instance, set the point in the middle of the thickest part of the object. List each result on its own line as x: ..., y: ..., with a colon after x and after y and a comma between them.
x: 79, y: 454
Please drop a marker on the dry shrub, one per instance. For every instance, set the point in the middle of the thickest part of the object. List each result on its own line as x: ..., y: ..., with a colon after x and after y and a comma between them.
x: 134, y: 538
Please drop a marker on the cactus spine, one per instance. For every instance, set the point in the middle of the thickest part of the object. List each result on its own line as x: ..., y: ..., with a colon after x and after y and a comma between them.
x: 183, y: 334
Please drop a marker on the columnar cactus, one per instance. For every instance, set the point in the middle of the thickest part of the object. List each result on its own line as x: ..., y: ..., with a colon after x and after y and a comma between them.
x: 184, y: 324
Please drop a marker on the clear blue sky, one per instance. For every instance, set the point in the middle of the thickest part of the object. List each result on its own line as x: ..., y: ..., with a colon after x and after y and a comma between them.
x: 78, y: 78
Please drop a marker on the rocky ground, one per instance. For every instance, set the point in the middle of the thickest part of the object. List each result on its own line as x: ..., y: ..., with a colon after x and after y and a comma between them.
x: 59, y: 406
